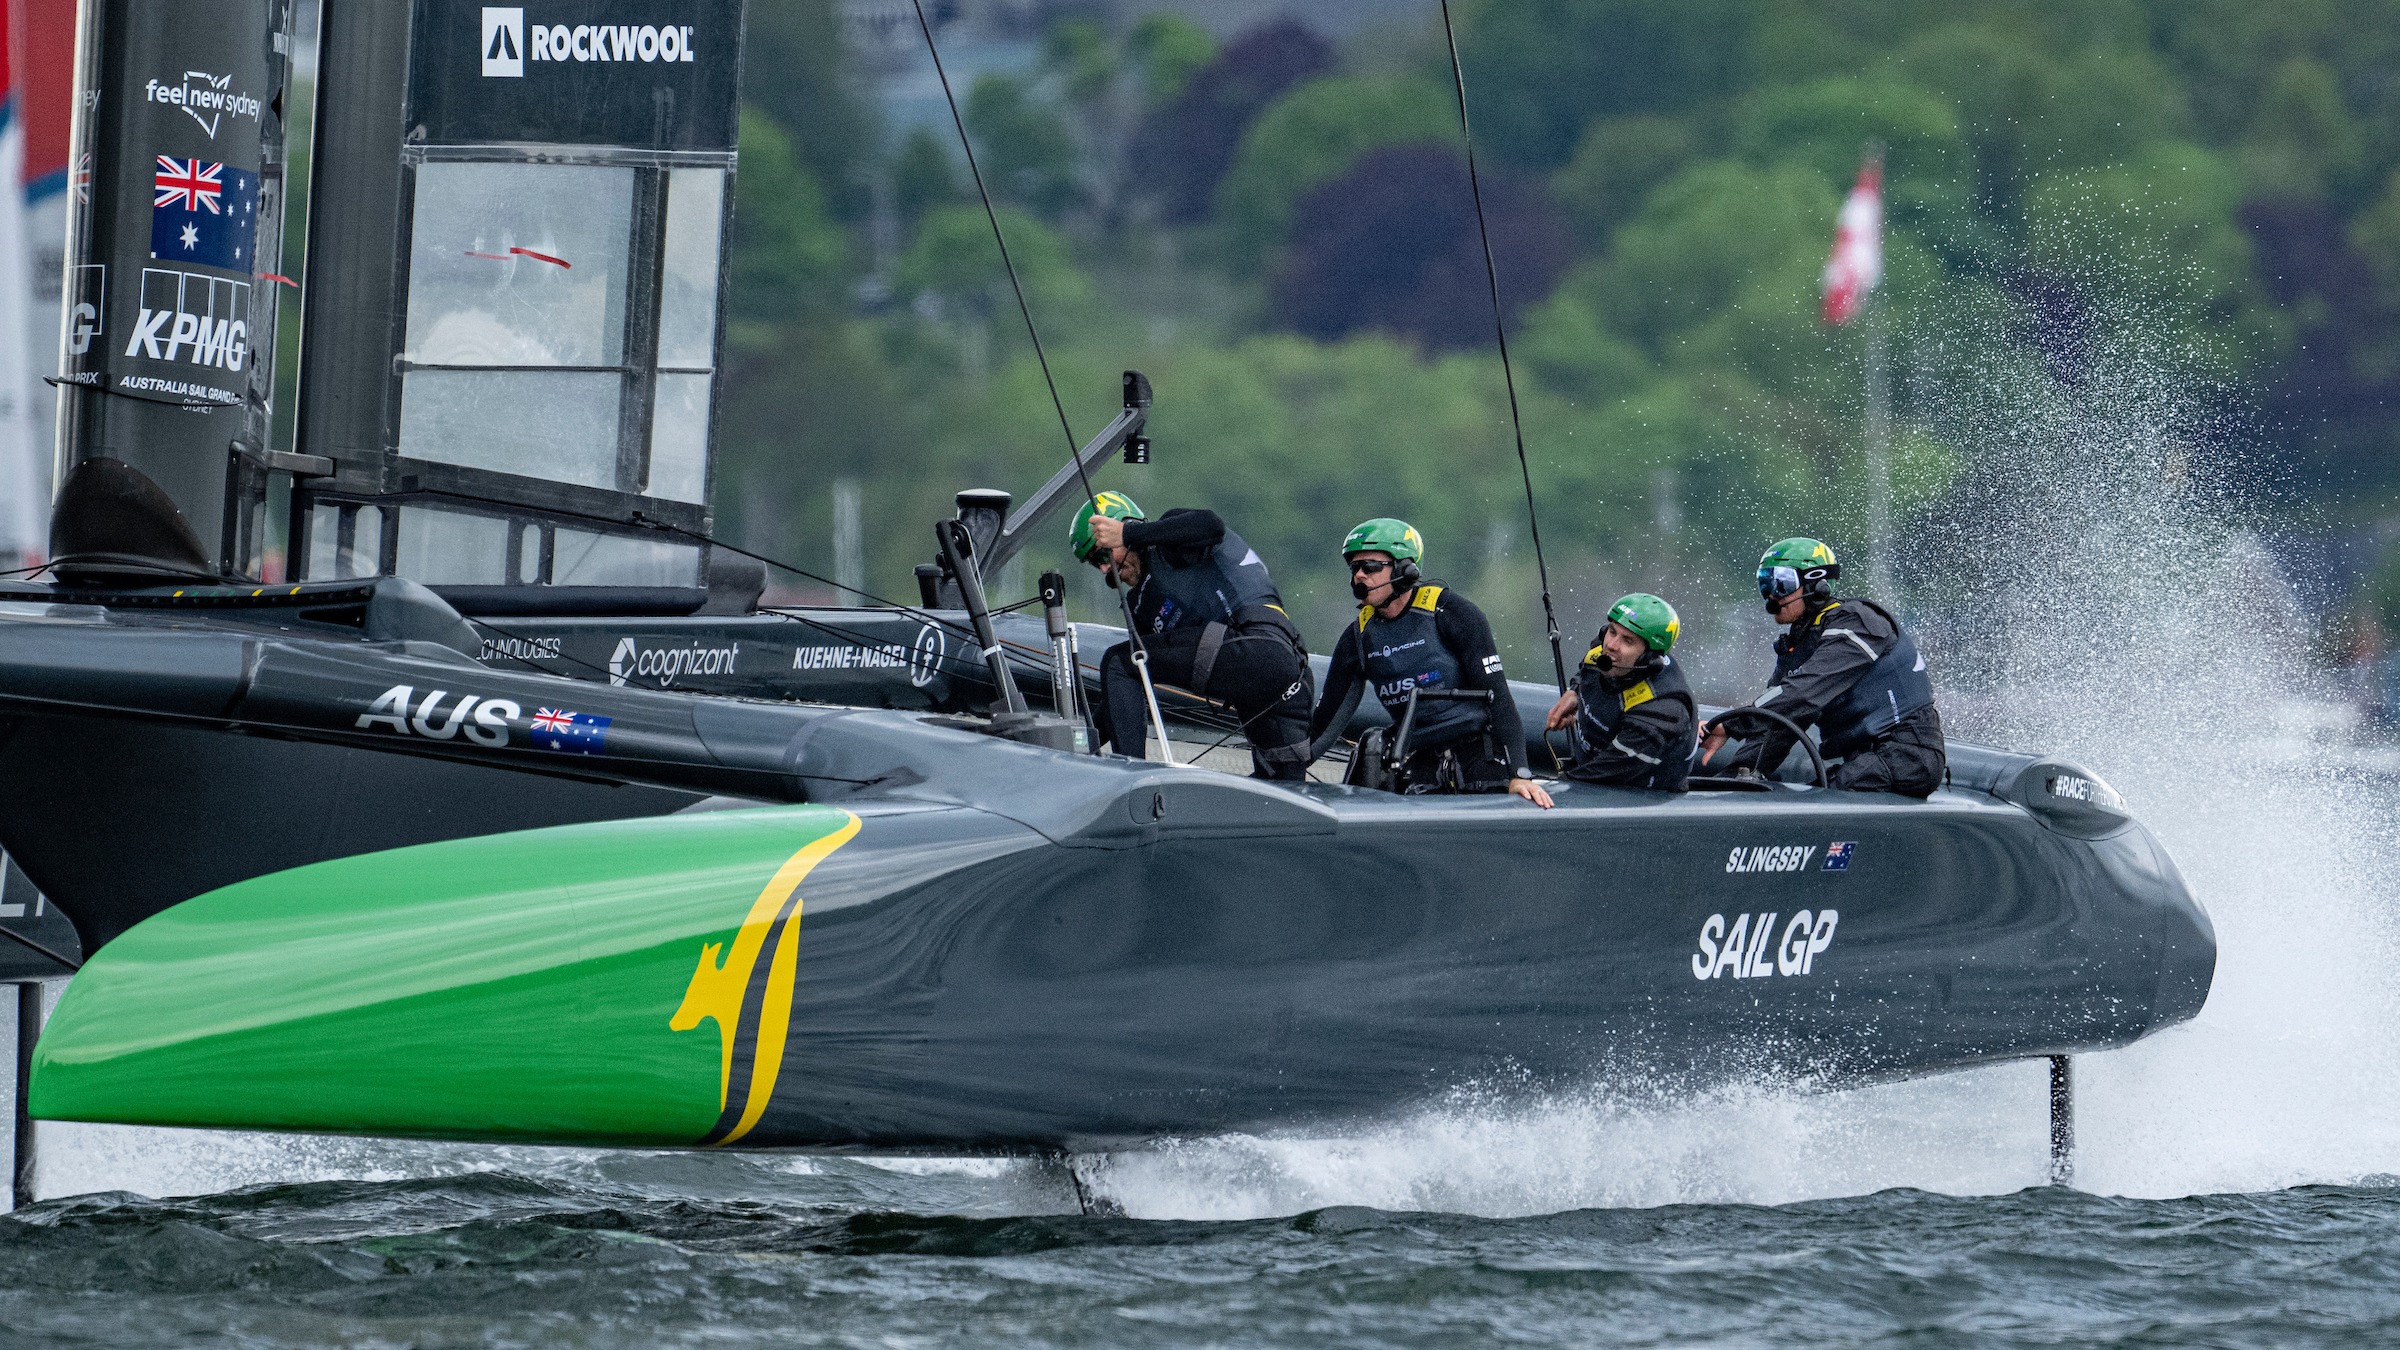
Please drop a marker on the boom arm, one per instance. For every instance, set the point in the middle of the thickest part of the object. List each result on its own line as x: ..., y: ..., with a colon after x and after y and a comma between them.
x: 1066, y: 484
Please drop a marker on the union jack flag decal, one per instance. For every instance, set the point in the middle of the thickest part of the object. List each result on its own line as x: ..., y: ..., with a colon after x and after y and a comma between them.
x: 553, y: 720
x: 192, y: 184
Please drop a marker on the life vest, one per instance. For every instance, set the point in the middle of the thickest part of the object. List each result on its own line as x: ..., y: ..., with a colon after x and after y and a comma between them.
x: 1407, y: 653
x: 1215, y: 588
x: 1885, y: 692
x: 1604, y: 707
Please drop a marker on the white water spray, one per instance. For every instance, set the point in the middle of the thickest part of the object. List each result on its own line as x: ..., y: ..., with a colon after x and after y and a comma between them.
x: 2108, y: 605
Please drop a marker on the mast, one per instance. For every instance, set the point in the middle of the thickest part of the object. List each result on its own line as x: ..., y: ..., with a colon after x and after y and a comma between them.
x: 167, y: 361
x: 511, y: 318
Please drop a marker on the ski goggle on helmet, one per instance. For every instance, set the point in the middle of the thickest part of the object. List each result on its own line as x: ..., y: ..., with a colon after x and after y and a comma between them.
x: 1775, y: 583
x: 1795, y: 565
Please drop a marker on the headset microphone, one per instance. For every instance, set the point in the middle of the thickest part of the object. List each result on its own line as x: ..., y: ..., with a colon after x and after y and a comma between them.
x: 1405, y: 574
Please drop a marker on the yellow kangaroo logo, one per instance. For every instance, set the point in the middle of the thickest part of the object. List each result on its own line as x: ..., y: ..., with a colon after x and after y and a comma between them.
x: 717, y: 987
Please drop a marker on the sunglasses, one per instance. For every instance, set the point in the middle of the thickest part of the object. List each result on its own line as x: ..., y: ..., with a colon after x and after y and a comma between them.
x: 1776, y: 583
x: 1370, y: 567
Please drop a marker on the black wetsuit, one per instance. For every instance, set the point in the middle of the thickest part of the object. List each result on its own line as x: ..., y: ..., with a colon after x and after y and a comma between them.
x: 1849, y: 668
x: 1637, y: 728
x: 1441, y: 641
x: 1212, y: 623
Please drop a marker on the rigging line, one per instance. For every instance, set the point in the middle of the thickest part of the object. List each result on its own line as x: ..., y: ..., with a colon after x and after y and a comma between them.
x: 518, y: 637
x: 1032, y: 659
x: 921, y: 615
x: 1141, y: 652
x: 970, y: 674
x: 1025, y: 658
x: 1028, y: 659
x: 1516, y: 420
x: 644, y: 520
x: 1074, y: 447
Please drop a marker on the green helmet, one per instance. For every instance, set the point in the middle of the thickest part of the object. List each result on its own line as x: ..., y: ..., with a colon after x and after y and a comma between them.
x: 1647, y: 617
x: 1386, y: 535
x: 1795, y: 565
x: 1114, y: 505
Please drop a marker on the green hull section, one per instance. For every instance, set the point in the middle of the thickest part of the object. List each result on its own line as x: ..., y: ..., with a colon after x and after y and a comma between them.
x: 624, y: 982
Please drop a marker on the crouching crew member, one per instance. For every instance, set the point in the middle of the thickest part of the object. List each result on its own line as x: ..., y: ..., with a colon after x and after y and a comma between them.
x: 1212, y: 623
x: 1635, y: 722
x: 1849, y: 669
x: 1414, y: 634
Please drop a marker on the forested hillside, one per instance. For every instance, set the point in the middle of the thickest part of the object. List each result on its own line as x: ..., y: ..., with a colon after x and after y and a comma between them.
x: 1277, y: 230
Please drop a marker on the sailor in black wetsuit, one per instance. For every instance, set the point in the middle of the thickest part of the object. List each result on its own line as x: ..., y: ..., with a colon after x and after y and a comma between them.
x: 1211, y: 622
x: 1635, y: 722
x: 1848, y: 668
x: 1419, y: 635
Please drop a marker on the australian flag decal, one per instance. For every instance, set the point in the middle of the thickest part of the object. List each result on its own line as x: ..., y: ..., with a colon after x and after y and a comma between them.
x: 1837, y: 857
x: 570, y: 733
x: 203, y: 212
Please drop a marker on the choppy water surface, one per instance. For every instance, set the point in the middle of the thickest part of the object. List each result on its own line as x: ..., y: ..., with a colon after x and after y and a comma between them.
x: 650, y: 1250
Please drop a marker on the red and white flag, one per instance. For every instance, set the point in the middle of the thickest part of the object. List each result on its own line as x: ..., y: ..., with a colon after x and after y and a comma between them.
x: 1856, y: 266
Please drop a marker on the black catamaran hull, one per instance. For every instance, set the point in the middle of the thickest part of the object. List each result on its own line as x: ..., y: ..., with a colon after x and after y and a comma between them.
x: 1007, y: 946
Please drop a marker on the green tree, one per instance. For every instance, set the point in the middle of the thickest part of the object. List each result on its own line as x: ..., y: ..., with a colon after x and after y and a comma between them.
x: 1168, y: 50
x: 1568, y: 348
x: 2156, y: 245
x: 1313, y: 135
x: 1027, y: 153
x: 2375, y: 233
x: 923, y: 176
x: 2227, y: 49
x: 805, y: 394
x: 2028, y: 110
x: 789, y: 259
x: 954, y: 257
x: 1616, y: 164
x: 1700, y: 244
x: 1824, y: 122
x: 1928, y: 161
x: 2301, y: 142
x: 794, y: 72
x: 1078, y: 53
x: 1540, y: 70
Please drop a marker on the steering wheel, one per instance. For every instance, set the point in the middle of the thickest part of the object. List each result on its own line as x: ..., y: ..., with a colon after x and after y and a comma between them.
x: 1816, y: 760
